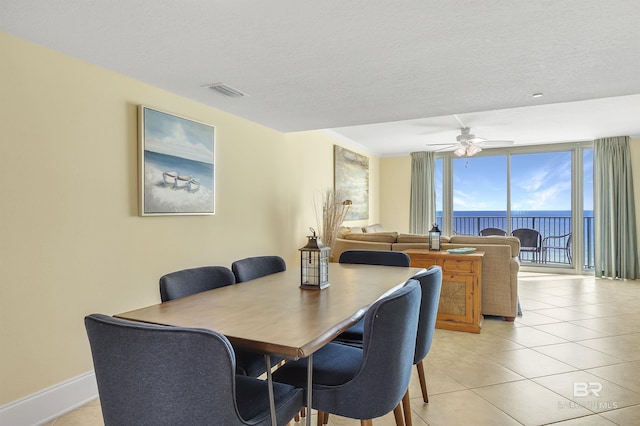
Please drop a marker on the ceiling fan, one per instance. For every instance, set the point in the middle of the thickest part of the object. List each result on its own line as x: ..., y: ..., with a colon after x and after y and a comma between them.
x: 469, y: 144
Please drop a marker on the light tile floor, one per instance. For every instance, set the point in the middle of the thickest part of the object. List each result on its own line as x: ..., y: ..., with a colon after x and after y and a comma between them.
x: 573, y: 358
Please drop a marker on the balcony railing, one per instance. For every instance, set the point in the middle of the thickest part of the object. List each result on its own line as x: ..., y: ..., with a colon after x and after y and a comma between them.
x: 546, y: 225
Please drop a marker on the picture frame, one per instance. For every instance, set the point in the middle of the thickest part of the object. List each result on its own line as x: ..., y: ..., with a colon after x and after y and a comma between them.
x: 177, y: 164
x: 351, y: 180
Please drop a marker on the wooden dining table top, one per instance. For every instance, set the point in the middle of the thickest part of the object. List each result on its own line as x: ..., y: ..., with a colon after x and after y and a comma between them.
x: 273, y: 315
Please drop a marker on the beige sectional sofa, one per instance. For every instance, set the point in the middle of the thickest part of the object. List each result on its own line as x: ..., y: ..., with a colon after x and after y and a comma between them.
x: 500, y: 264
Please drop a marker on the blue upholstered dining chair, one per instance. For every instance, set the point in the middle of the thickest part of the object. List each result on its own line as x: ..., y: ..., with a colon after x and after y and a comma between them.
x: 195, y: 280
x: 368, y: 382
x: 158, y: 375
x: 256, y: 267
x: 375, y: 257
x: 353, y: 335
x: 190, y: 281
x: 431, y: 285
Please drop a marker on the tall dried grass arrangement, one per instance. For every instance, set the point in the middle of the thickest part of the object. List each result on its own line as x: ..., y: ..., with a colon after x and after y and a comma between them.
x: 330, y: 207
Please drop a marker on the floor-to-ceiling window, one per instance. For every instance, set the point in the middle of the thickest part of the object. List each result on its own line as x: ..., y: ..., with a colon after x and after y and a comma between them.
x: 543, y: 193
x: 479, y: 194
x: 587, y: 254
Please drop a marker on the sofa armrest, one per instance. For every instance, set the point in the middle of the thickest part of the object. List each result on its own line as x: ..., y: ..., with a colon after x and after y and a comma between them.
x: 499, y: 278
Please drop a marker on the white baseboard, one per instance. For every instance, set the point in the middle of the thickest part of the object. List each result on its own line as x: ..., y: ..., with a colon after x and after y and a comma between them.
x: 47, y: 404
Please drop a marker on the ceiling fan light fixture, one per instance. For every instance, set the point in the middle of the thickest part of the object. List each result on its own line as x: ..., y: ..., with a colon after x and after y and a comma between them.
x: 473, y: 150
x: 460, y: 151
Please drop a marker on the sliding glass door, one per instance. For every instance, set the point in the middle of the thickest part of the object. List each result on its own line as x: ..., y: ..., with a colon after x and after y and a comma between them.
x: 541, y: 200
x: 544, y: 198
x: 479, y: 194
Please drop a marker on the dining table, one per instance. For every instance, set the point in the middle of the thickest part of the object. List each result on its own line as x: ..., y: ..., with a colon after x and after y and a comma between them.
x: 272, y: 315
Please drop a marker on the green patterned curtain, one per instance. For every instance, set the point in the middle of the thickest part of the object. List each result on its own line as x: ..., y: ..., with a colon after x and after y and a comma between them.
x: 423, y: 195
x: 616, y: 247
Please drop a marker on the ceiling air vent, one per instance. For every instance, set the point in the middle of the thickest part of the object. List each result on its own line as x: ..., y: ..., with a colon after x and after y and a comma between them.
x: 227, y: 91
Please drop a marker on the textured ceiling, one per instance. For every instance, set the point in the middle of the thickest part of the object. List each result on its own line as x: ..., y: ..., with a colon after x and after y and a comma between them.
x: 336, y: 64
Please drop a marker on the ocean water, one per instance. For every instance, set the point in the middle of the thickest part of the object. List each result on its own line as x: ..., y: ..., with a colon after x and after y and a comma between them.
x: 201, y: 171
x: 547, y: 222
x: 518, y: 213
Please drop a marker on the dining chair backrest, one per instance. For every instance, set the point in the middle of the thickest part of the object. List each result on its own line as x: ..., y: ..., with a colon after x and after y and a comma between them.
x: 388, y: 349
x: 195, y: 280
x: 375, y: 257
x: 191, y: 281
x: 256, y: 267
x: 493, y: 231
x: 431, y: 285
x: 157, y: 375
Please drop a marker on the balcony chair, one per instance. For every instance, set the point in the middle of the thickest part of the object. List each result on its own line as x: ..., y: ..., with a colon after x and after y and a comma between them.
x: 530, y: 242
x: 493, y: 231
x: 353, y: 335
x: 150, y: 374
x: 195, y: 280
x: 368, y: 382
x: 256, y: 267
x: 557, y: 242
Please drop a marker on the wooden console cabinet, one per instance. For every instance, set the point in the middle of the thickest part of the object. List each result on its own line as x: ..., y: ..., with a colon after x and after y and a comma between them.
x: 461, y: 295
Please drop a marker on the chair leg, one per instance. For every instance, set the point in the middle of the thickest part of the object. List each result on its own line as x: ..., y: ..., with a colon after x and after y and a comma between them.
x: 423, y: 381
x: 397, y: 414
x: 326, y: 419
x: 320, y: 418
x: 296, y: 418
x: 406, y: 408
x: 368, y: 422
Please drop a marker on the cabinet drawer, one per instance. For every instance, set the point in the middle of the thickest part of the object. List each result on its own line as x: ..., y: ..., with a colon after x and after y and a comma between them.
x: 417, y: 262
x: 458, y: 265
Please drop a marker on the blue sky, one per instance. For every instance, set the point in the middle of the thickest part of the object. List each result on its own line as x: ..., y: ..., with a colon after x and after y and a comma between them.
x: 538, y: 182
x: 172, y: 135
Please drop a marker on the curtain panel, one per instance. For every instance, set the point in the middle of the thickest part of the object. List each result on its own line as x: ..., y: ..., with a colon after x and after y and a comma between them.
x: 616, y: 248
x: 423, y: 195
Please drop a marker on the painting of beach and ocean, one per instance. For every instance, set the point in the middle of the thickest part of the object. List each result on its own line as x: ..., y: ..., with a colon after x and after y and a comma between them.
x: 177, y: 164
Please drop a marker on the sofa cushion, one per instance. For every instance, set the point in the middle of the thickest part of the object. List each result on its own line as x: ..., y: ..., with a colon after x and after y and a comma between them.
x: 417, y: 238
x: 373, y: 228
x: 344, y: 230
x: 491, y: 239
x: 382, y: 237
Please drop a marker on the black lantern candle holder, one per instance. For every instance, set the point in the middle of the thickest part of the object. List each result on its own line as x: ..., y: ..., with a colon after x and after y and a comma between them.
x: 314, y: 264
x: 434, y: 238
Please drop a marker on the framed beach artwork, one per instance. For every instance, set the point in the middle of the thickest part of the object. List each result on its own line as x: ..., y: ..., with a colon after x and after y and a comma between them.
x: 351, y: 180
x: 176, y: 165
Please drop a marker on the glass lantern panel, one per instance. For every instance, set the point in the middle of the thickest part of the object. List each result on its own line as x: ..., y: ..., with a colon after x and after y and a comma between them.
x: 310, y: 262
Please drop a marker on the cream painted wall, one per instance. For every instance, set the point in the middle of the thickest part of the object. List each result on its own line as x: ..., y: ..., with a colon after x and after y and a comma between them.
x: 71, y: 240
x: 395, y: 191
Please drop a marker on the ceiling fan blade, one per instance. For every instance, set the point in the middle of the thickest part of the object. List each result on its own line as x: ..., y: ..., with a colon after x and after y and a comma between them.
x: 505, y: 143
x: 476, y: 140
x: 446, y: 148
